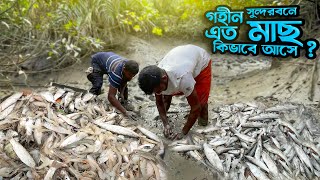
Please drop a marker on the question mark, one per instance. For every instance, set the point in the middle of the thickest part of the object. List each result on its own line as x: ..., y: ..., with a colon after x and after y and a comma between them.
x: 313, y: 46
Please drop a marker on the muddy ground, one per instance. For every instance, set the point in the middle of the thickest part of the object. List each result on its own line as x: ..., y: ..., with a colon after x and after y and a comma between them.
x: 235, y: 79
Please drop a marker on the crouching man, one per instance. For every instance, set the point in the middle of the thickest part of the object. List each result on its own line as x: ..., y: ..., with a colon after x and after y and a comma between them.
x: 185, y: 70
x: 119, y: 71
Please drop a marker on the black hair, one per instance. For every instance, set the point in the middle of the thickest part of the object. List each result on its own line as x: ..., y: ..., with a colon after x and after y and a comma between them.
x: 132, y: 66
x: 149, y: 78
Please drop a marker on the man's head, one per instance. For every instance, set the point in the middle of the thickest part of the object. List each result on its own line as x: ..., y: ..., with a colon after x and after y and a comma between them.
x: 130, y: 69
x: 152, y: 79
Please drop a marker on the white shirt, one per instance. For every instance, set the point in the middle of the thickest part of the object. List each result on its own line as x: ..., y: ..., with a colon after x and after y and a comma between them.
x: 183, y: 64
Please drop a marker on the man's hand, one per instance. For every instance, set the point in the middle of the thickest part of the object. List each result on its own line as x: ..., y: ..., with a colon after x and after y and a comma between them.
x: 132, y: 115
x: 167, y: 131
x: 121, y: 98
x: 177, y: 136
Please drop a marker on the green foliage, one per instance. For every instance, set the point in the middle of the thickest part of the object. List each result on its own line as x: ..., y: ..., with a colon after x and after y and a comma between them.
x: 76, y: 28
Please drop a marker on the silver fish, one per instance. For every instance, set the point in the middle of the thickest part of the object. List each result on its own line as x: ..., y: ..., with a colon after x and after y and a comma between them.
x: 260, y: 175
x: 10, y: 100
x: 58, y: 94
x: 257, y: 154
x: 55, y: 128
x: 276, y: 151
x: 48, y: 96
x: 213, y: 157
x: 6, y: 112
x: 67, y: 99
x: 227, y: 162
x: 208, y: 129
x: 281, y: 108
x: 285, y: 166
x: 253, y: 125
x: 68, y: 121
x: 245, y: 137
x: 261, y: 117
x: 258, y: 163
x: 276, y: 142
x: 303, y: 157
x: 288, y: 125
x: 270, y: 164
x: 87, y: 97
x: 117, y: 129
x: 22, y: 153
x: 183, y: 148
x: 149, y: 134
x: 73, y: 138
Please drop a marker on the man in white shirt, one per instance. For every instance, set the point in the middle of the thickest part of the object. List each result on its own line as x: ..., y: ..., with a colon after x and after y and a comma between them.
x: 185, y: 70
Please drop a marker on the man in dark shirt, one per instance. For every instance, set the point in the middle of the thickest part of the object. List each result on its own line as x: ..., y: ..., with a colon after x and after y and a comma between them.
x: 120, y: 71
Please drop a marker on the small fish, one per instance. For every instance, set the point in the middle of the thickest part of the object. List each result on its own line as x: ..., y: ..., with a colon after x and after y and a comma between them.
x: 208, y: 129
x: 303, y: 157
x: 261, y: 117
x: 22, y: 153
x: 276, y: 151
x: 73, y: 138
x: 149, y: 134
x: 276, y: 142
x: 253, y: 125
x: 227, y: 162
x: 197, y: 156
x: 213, y: 157
x: 87, y: 97
x: 55, y: 128
x: 67, y: 99
x: 29, y: 126
x: 258, y: 163
x: 183, y: 148
x: 315, y: 164
x: 257, y: 154
x: 219, y: 141
x: 6, y: 172
x: 260, y: 175
x: 68, y: 121
x: 58, y: 94
x: 6, y: 112
x: 10, y: 100
x: 245, y: 137
x: 78, y: 103
x: 65, y: 174
x: 288, y: 125
x: 48, y: 96
x: 281, y: 108
x: 71, y: 107
x: 270, y: 164
x: 117, y: 129
x: 285, y: 166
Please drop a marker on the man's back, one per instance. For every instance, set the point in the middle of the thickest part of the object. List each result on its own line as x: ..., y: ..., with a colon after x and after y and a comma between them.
x: 186, y: 58
x: 111, y: 64
x: 182, y: 64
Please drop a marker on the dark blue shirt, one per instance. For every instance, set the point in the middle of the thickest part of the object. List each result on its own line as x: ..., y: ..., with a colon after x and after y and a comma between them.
x: 111, y: 64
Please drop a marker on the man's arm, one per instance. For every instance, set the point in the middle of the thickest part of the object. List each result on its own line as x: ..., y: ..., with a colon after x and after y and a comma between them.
x: 161, y: 109
x: 163, y: 115
x: 113, y: 100
x: 123, y: 96
x: 194, y: 112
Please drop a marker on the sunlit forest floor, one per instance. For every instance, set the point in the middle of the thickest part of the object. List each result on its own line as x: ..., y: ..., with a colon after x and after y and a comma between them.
x: 235, y: 79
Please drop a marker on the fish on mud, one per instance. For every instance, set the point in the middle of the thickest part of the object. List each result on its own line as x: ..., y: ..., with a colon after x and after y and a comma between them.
x: 10, y: 100
x: 213, y: 157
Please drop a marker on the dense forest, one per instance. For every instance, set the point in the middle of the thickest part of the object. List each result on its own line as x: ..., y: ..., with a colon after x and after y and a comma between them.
x: 66, y: 30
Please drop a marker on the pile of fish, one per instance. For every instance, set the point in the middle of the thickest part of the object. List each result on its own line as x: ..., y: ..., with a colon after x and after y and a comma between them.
x: 251, y: 141
x: 61, y: 134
